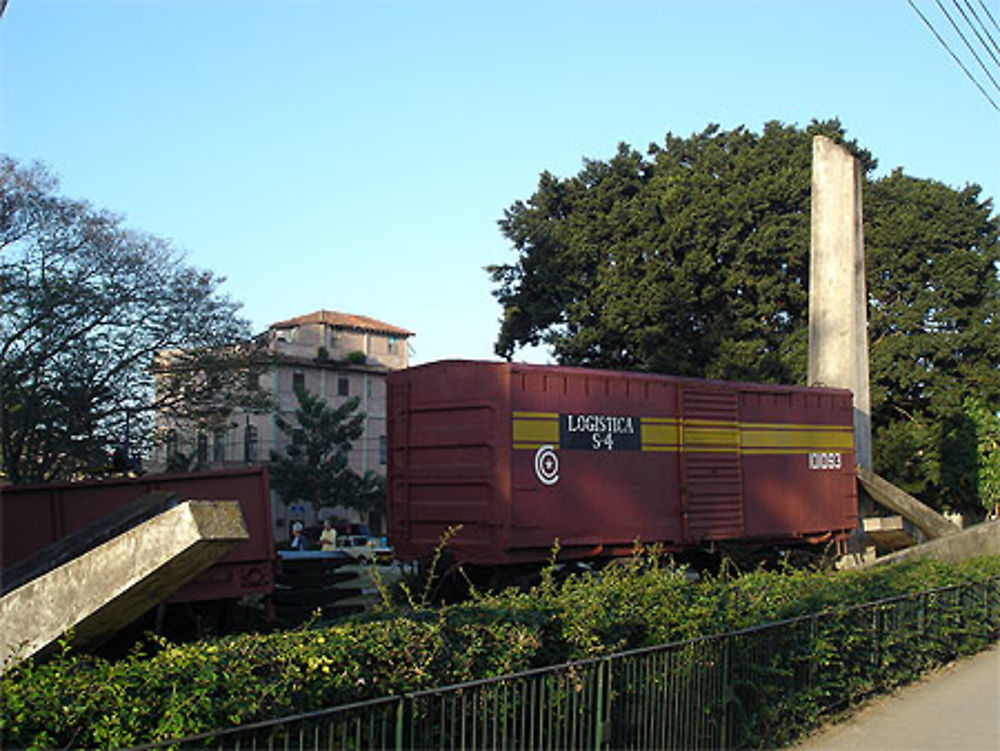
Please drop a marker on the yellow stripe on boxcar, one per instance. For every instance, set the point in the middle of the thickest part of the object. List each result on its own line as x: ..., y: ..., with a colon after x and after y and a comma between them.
x: 535, y: 431
x: 820, y: 439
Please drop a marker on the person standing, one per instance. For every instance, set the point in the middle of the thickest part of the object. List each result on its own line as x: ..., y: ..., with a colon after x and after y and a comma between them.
x: 328, y: 537
x: 299, y: 541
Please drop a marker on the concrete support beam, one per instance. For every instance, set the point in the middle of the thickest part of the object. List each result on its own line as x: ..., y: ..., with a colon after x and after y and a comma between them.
x: 108, y: 587
x: 926, y: 519
x: 79, y: 542
x: 838, y: 302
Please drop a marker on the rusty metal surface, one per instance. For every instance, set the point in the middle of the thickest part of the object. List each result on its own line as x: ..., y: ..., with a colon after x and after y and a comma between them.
x: 522, y: 455
x: 34, y: 516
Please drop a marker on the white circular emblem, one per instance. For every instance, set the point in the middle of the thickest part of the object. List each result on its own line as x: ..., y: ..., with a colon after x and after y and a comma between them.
x: 547, y: 465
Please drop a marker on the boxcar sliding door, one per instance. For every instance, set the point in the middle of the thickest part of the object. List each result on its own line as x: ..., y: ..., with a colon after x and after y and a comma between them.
x: 711, y: 475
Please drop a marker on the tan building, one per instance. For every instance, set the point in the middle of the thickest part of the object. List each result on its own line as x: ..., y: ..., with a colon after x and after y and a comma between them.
x: 336, y: 356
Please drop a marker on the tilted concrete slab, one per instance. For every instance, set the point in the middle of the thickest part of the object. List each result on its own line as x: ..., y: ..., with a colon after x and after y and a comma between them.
x: 108, y: 587
x: 923, y: 517
x: 79, y: 542
x: 981, y: 539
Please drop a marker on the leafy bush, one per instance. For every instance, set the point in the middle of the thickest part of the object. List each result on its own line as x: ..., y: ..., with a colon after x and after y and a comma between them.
x: 185, y: 689
x: 165, y: 691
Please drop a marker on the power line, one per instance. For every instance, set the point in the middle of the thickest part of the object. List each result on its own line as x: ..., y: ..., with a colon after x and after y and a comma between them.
x: 988, y: 14
x: 983, y: 27
x: 950, y: 52
x: 966, y: 41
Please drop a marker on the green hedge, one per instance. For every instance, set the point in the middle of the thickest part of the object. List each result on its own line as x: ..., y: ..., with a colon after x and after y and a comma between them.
x: 167, y: 691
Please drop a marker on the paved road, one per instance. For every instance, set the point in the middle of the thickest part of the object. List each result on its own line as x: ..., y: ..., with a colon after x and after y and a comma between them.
x: 957, y: 707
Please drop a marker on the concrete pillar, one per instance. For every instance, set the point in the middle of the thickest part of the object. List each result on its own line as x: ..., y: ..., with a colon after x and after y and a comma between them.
x: 838, y: 301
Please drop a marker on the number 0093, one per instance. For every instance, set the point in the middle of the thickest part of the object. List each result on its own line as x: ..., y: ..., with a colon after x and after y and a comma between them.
x: 825, y: 461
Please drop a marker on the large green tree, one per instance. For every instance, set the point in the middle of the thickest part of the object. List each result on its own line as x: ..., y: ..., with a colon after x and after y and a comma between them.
x: 693, y: 259
x: 315, y: 466
x: 986, y: 424
x: 87, y: 307
x: 932, y: 261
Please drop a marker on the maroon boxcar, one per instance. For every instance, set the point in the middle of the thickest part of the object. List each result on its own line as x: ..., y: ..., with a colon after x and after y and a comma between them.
x: 521, y: 455
x: 34, y: 516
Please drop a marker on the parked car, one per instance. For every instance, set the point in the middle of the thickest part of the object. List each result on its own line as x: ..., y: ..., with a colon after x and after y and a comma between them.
x: 365, y: 549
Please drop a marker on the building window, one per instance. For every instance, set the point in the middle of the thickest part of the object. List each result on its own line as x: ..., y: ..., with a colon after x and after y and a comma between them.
x: 298, y: 380
x: 202, y: 448
x: 343, y: 387
x: 382, y: 450
x: 392, y: 346
x: 250, y: 444
x: 219, y: 446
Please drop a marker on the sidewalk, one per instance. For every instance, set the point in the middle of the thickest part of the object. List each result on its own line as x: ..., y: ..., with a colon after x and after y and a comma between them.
x: 957, y: 707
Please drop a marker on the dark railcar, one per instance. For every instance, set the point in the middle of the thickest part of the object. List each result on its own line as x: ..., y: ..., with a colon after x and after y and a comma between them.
x: 520, y: 455
x: 34, y: 516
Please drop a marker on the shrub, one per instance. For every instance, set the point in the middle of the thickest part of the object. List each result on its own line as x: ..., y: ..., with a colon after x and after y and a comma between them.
x: 163, y: 690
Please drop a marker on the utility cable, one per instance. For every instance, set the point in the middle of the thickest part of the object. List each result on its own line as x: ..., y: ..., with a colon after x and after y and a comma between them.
x: 985, y: 31
x: 969, y: 46
x: 957, y: 60
x: 988, y: 14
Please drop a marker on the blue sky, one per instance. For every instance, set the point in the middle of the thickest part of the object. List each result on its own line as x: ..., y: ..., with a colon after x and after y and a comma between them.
x: 356, y: 156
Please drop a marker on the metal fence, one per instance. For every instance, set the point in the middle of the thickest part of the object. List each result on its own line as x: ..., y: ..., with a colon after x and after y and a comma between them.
x: 736, y: 690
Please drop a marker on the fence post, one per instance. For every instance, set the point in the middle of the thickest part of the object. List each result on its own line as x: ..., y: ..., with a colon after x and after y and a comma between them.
x: 727, y: 698
x: 812, y: 653
x: 599, y: 709
x: 877, y: 667
x: 986, y: 609
x: 400, y: 722
x: 922, y: 615
x: 990, y: 587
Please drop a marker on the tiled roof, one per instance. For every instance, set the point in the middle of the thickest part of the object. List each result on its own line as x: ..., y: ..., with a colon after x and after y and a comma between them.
x: 343, y: 321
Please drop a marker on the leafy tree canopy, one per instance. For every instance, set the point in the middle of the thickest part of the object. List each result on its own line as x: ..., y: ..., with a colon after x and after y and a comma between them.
x: 986, y: 424
x: 315, y: 466
x: 86, y: 305
x: 693, y: 259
